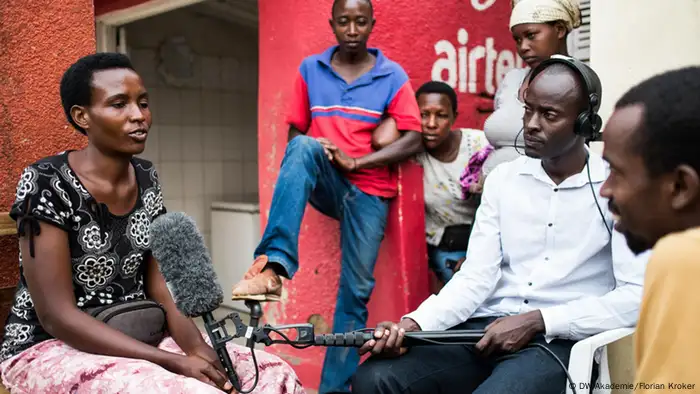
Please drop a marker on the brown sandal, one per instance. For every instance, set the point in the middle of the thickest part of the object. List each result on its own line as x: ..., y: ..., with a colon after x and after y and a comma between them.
x: 258, y: 285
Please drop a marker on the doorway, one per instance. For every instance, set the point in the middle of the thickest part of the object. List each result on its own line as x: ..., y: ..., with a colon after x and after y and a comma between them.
x: 199, y: 62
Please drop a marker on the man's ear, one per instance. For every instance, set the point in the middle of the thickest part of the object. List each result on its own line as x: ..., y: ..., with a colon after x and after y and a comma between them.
x: 686, y: 187
x: 80, y: 116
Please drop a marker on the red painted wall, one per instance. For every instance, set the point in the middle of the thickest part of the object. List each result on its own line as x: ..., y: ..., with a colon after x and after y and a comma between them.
x: 39, y: 39
x: 428, y: 39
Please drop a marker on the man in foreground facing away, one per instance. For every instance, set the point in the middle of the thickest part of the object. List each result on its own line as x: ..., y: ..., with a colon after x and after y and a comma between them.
x: 652, y: 143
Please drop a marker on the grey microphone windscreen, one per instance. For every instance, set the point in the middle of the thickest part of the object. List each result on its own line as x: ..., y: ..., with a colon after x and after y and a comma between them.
x: 184, y: 261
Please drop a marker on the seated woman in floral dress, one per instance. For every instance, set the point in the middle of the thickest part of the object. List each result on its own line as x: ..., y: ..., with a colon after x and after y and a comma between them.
x: 83, y: 218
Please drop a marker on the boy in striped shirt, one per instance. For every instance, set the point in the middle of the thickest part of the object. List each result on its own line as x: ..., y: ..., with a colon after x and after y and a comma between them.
x: 332, y: 161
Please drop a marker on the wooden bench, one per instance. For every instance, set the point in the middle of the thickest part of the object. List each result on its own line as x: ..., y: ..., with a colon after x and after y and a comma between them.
x: 7, y: 227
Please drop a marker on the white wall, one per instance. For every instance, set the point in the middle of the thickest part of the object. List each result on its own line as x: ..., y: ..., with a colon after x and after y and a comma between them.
x: 632, y: 40
x: 204, y: 135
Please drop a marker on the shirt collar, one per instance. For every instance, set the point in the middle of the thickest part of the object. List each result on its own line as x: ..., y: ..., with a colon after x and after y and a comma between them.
x: 598, y: 170
x: 381, y: 68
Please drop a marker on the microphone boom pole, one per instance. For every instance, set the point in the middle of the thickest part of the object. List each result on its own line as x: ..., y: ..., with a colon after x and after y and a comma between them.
x: 305, y: 334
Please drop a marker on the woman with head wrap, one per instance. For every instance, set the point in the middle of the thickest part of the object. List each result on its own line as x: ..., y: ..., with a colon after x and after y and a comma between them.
x: 540, y: 29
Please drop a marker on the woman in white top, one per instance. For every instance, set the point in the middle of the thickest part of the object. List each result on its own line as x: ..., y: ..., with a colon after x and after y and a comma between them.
x: 449, y: 212
x: 540, y: 29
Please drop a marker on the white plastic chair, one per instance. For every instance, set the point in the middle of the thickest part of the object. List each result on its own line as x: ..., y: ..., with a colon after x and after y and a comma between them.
x: 581, y: 361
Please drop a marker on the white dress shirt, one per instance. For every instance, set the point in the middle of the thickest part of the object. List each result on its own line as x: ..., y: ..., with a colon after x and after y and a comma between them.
x: 538, y: 245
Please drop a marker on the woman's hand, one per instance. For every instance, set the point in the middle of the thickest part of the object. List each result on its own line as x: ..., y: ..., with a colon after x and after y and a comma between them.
x: 194, y: 366
x: 181, y: 328
x: 208, y: 354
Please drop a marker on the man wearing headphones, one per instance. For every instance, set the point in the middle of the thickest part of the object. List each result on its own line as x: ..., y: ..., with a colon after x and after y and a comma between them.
x: 544, y: 267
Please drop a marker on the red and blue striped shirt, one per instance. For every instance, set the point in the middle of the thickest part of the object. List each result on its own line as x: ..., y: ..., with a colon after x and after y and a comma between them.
x: 323, y: 104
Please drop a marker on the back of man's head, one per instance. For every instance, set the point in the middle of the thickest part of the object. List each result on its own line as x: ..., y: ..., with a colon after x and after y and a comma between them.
x: 670, y: 131
x: 652, y: 143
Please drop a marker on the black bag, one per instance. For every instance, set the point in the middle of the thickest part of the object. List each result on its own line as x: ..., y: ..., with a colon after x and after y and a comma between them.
x: 455, y: 238
x: 143, y: 320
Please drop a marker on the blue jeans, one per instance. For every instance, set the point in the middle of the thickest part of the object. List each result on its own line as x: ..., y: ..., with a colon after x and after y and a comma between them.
x: 460, y: 369
x: 437, y: 259
x: 307, y: 175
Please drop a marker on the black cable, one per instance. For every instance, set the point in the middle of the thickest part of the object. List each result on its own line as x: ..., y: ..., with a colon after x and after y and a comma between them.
x: 286, y: 338
x: 515, y: 142
x: 558, y: 360
x: 595, y: 198
x: 257, y: 373
x: 445, y: 344
x: 255, y: 361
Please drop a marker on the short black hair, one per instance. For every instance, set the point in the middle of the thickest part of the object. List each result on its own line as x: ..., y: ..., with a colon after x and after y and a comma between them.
x: 76, y: 83
x: 336, y: 2
x: 439, y: 88
x: 669, y: 135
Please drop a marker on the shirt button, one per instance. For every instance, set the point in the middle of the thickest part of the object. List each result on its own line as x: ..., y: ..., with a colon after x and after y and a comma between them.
x: 546, y: 259
x: 556, y: 190
x: 529, y: 283
x: 550, y: 225
x: 526, y: 301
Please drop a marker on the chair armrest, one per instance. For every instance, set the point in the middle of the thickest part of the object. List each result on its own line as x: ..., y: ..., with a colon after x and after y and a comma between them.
x: 604, y: 338
x: 583, y: 352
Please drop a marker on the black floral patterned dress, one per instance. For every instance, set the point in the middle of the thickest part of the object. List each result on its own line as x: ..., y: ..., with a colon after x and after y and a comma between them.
x: 108, y: 252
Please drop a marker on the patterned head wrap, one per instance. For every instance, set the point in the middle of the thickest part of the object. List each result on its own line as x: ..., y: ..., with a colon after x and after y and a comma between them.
x: 543, y: 11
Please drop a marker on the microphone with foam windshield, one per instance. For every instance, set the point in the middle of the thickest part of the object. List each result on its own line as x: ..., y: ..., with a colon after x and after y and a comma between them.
x: 184, y: 261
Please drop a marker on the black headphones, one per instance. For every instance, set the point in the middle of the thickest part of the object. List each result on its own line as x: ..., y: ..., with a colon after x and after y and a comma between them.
x: 588, y: 123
